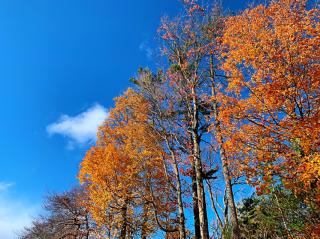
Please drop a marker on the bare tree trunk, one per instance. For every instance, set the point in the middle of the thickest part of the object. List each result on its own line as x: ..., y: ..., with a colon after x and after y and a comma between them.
x: 214, y: 208
x: 182, y: 229
x: 224, y: 160
x: 198, y: 166
x: 195, y: 205
x: 201, y: 197
x: 144, y: 222
x: 87, y: 226
x: 123, y: 230
x: 230, y: 198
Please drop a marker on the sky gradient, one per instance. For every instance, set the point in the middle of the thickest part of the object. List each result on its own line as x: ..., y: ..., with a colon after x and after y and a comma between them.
x: 61, y: 64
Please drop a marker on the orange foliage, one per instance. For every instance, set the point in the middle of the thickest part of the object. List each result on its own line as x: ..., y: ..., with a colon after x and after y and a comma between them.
x: 271, y: 107
x: 121, y: 168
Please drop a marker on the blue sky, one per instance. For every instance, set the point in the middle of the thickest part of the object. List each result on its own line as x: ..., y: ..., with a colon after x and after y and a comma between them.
x: 61, y: 64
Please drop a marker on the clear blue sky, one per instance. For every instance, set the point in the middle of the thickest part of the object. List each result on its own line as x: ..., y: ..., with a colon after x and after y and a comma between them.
x: 62, y: 57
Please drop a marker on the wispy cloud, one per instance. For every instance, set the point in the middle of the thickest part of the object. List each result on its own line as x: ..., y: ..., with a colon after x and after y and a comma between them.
x: 15, y: 214
x: 4, y: 186
x: 144, y: 47
x: 82, y: 128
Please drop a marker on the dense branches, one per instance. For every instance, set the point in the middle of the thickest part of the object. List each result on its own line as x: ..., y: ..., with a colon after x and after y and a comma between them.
x: 66, y: 217
x: 235, y: 107
x: 237, y: 99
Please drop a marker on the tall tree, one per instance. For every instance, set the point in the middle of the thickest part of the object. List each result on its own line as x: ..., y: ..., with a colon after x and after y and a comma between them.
x: 124, y: 172
x: 272, y: 101
x: 191, y: 46
x: 185, y: 49
x: 163, y: 119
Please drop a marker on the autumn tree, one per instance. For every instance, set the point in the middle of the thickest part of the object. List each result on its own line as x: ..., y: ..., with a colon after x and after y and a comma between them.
x: 164, y: 121
x: 237, y: 99
x: 194, y: 76
x: 124, y: 173
x: 271, y: 105
x: 66, y: 217
x: 182, y: 46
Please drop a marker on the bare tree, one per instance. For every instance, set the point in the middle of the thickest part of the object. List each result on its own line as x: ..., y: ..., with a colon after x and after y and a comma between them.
x: 66, y: 217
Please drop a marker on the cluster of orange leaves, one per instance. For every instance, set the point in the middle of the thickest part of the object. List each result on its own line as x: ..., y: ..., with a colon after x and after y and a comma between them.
x: 271, y: 107
x: 119, y: 169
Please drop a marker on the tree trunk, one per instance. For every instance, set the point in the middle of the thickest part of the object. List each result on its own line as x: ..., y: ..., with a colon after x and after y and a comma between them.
x: 224, y: 160
x: 87, y: 226
x: 200, y: 193
x: 123, y: 230
x: 195, y: 205
x: 227, y: 179
x: 214, y: 208
x: 182, y: 229
x: 230, y: 198
x: 144, y: 222
x: 198, y: 166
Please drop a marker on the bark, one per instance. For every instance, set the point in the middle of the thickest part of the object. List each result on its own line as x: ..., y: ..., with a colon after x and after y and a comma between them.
x: 182, y: 229
x: 123, y: 230
x: 224, y: 160
x: 213, y: 205
x: 198, y: 168
x: 166, y: 229
x: 87, y: 226
x: 230, y: 198
x: 195, y: 205
x: 143, y: 235
x: 144, y: 223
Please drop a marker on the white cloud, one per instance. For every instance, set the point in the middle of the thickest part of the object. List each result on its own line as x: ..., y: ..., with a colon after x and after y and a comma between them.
x: 144, y: 47
x: 82, y: 128
x: 15, y: 214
